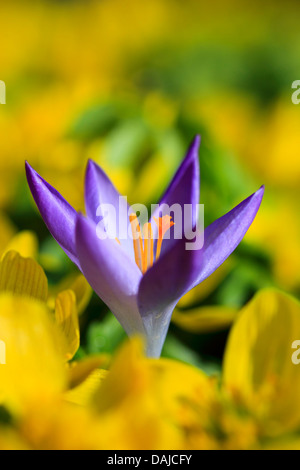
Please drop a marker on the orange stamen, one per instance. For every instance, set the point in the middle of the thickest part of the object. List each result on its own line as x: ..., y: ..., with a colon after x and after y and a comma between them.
x: 148, y: 246
x: 143, y: 253
x: 163, y: 224
x: 137, y: 240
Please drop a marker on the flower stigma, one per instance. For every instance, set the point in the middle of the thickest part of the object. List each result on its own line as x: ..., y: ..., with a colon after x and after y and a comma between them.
x: 143, y: 240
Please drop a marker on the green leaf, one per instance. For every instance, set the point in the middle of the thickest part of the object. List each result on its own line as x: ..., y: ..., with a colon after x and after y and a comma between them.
x: 174, y: 349
x: 94, y: 122
x: 104, y: 336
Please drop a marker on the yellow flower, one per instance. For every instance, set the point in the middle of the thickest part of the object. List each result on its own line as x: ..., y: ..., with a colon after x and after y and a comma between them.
x: 76, y: 283
x: 277, y: 230
x: 258, y: 367
x: 37, y: 342
x: 163, y: 404
x: 24, y: 242
x: 144, y: 403
x: 205, y: 319
x: 35, y: 378
x: 266, y: 142
x: 130, y: 406
x: 34, y: 368
x: 23, y: 277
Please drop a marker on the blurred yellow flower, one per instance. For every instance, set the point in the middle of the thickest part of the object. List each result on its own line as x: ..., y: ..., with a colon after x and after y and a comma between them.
x: 258, y: 365
x: 24, y: 242
x: 34, y: 368
x: 277, y: 231
x: 23, y: 277
x: 205, y: 319
x: 163, y: 404
x: 129, y: 55
x: 34, y: 379
x: 138, y: 401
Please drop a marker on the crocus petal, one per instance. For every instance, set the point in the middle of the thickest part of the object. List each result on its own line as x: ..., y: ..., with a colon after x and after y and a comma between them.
x: 57, y: 213
x: 184, y: 189
x: 178, y: 270
x: 100, y: 194
x: 160, y: 289
x: 111, y: 273
x: 223, y: 236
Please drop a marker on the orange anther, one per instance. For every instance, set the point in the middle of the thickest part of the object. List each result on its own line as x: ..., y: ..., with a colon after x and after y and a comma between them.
x: 137, y: 240
x: 143, y: 252
x: 148, y: 246
x: 163, y: 224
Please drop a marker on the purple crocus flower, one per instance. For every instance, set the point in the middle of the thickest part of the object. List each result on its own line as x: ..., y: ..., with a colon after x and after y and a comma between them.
x: 141, y: 296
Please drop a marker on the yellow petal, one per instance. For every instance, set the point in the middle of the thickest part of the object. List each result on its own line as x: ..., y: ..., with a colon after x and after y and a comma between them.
x: 129, y: 412
x: 172, y: 394
x: 79, y: 371
x: 10, y: 440
x: 67, y: 319
x: 204, y: 319
x: 22, y: 276
x: 25, y: 243
x: 258, y: 360
x: 62, y: 426
x: 127, y: 376
x: 34, y: 368
x: 79, y: 286
x: 83, y: 292
x: 149, y: 404
x: 83, y: 393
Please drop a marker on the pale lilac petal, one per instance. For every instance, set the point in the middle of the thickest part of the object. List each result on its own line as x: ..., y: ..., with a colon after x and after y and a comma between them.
x: 111, y: 273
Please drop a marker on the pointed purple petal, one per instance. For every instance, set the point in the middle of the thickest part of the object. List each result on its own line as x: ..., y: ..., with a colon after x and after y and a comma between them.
x: 111, y: 273
x: 100, y: 192
x: 184, y: 189
x: 179, y: 270
x: 223, y: 236
x: 185, y: 185
x: 57, y: 213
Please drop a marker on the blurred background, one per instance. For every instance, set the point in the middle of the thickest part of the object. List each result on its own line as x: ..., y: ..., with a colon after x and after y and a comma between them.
x: 129, y: 84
